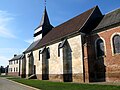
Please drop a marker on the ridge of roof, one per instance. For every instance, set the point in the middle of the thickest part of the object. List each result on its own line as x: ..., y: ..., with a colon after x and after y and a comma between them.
x: 112, y: 10
x: 88, y: 17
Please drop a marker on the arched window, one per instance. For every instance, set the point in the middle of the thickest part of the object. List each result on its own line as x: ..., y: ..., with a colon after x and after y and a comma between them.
x: 39, y: 54
x: 116, y: 44
x: 48, y: 53
x: 100, y: 47
x: 59, y: 49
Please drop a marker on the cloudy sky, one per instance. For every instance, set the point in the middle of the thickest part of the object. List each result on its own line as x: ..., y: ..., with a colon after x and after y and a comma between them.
x: 19, y: 18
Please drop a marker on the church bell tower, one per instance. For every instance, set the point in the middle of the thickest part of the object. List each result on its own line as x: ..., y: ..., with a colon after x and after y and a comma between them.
x: 44, y: 26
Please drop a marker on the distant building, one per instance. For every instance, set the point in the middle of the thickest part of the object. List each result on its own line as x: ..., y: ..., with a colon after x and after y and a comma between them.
x: 15, y: 65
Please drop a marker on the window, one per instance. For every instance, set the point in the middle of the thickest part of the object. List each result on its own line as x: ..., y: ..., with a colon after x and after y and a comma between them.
x: 48, y: 53
x: 100, y: 47
x: 116, y: 44
x: 16, y: 61
x: 59, y: 49
x: 39, y: 54
x: 61, y: 45
x: 11, y: 69
x: 10, y: 62
x: 16, y: 69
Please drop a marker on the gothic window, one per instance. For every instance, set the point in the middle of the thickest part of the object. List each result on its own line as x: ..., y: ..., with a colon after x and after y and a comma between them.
x: 16, y: 69
x: 39, y: 54
x: 116, y: 44
x: 61, y: 45
x: 48, y: 53
x: 59, y: 50
x: 100, y: 47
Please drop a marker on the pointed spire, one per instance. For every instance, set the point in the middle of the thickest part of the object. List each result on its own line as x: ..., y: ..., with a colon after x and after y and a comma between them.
x: 45, y: 19
x: 44, y: 26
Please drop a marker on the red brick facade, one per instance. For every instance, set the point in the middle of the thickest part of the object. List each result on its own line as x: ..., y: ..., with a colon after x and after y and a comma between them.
x: 105, y: 68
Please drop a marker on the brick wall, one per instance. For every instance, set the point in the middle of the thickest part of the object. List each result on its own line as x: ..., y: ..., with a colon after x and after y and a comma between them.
x: 110, y: 60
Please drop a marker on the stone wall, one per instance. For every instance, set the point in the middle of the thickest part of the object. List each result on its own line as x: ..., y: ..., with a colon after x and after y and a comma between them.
x: 56, y: 62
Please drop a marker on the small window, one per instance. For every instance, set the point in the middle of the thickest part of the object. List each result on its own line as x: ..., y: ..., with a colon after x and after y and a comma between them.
x: 59, y: 50
x: 16, y: 61
x: 10, y: 62
x: 61, y: 45
x: 16, y: 69
x: 11, y: 69
x: 100, y: 47
x: 48, y: 53
x: 116, y: 44
x: 39, y: 54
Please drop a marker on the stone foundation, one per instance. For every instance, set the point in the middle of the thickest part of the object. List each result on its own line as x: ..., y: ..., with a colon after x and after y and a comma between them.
x: 56, y: 77
x: 13, y: 73
x: 23, y: 75
x: 78, y: 78
x: 61, y: 77
x: 39, y: 76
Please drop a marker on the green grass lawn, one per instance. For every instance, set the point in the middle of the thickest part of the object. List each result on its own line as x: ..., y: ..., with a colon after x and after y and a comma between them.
x: 47, y: 85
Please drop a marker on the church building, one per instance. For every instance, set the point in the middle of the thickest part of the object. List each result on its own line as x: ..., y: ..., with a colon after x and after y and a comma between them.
x: 85, y: 48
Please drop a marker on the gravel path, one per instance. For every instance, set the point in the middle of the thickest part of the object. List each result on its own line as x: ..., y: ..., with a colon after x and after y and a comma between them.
x: 10, y: 85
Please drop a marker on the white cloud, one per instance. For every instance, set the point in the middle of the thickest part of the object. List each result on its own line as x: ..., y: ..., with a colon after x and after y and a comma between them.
x: 5, y: 21
x: 29, y: 41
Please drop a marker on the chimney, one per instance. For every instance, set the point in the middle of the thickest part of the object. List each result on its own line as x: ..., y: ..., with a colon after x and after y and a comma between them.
x: 15, y: 55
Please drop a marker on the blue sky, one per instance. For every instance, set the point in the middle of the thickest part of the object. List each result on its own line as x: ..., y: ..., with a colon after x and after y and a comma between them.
x: 19, y: 18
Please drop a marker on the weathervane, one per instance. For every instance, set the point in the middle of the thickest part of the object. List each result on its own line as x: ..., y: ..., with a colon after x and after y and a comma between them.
x: 45, y: 2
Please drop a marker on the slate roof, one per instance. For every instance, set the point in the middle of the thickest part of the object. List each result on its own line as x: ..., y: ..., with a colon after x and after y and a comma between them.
x: 73, y: 25
x: 85, y: 21
x: 17, y: 57
x: 109, y: 19
x: 32, y: 46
